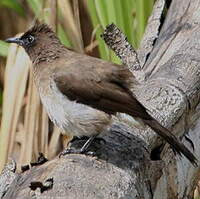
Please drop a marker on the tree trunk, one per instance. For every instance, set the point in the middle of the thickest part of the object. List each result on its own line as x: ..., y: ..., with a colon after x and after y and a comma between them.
x: 132, y: 163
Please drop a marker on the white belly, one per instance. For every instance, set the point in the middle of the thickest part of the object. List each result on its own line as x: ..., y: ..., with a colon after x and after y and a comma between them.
x: 73, y: 118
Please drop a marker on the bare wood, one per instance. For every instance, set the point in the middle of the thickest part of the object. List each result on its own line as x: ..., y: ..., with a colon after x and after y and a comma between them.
x: 118, y: 42
x: 151, y: 32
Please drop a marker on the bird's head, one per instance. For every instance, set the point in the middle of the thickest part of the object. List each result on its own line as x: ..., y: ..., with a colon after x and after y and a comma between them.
x: 39, y: 39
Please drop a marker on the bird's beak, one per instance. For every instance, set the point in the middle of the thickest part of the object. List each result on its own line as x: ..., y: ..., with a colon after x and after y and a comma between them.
x: 15, y: 40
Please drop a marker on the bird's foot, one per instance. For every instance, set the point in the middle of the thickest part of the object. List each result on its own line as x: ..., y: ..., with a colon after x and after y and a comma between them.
x: 75, y: 151
x: 83, y: 150
x: 69, y: 151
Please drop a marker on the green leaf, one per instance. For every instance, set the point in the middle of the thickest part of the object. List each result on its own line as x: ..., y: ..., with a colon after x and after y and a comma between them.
x: 100, y: 7
x: 63, y: 36
x: 129, y: 15
x: 99, y: 30
x: 3, y: 48
x: 14, y: 5
x: 36, y: 6
x: 147, y: 9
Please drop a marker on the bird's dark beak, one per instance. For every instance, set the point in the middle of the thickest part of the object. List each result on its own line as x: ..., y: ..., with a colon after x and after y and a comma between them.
x: 15, y: 40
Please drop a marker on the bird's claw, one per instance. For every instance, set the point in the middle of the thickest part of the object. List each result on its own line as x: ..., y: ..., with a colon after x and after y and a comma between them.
x: 69, y: 151
x: 75, y: 151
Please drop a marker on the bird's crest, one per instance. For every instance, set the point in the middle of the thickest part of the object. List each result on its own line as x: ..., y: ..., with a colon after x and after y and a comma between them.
x: 39, y: 27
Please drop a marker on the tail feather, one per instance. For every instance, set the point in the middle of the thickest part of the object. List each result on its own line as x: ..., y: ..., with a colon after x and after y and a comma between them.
x: 171, y: 139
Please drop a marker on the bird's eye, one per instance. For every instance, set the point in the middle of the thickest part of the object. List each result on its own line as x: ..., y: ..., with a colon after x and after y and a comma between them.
x: 30, y: 39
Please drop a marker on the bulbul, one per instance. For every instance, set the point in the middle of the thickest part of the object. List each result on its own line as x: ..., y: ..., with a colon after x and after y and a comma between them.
x: 81, y: 93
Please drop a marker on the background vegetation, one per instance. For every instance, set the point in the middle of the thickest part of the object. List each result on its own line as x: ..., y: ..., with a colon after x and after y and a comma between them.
x: 25, y: 128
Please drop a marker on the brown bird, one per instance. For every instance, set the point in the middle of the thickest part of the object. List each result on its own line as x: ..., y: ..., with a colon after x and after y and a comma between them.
x: 81, y: 93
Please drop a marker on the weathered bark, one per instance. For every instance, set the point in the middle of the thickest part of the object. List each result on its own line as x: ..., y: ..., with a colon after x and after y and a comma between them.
x: 122, y: 167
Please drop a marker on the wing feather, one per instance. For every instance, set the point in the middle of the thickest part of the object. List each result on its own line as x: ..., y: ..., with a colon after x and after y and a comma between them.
x: 102, y: 93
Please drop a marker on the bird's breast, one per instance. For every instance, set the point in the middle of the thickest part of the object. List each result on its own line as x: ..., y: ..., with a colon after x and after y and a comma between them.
x: 72, y: 117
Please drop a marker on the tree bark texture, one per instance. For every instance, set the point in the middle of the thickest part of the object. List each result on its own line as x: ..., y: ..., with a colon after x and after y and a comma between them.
x: 129, y: 162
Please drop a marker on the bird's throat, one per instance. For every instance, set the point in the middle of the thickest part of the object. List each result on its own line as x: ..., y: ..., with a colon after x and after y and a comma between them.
x: 44, y: 55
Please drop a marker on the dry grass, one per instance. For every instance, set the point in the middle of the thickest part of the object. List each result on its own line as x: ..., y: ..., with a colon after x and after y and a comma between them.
x: 16, y: 76
x: 25, y: 124
x: 71, y: 23
x: 25, y: 127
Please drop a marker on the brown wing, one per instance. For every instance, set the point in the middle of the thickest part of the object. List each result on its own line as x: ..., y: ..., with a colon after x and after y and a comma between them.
x: 100, y: 91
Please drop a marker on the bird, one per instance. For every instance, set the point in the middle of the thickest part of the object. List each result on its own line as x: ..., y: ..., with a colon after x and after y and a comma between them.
x: 80, y: 93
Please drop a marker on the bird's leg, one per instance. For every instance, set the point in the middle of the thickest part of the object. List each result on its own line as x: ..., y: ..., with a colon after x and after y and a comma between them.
x: 87, y: 144
x: 79, y: 151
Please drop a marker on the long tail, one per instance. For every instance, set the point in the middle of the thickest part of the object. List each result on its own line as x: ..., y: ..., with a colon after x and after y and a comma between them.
x: 171, y: 139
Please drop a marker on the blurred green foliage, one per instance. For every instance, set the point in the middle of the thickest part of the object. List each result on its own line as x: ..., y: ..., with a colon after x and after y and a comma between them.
x: 3, y: 48
x: 129, y: 15
x: 14, y: 5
